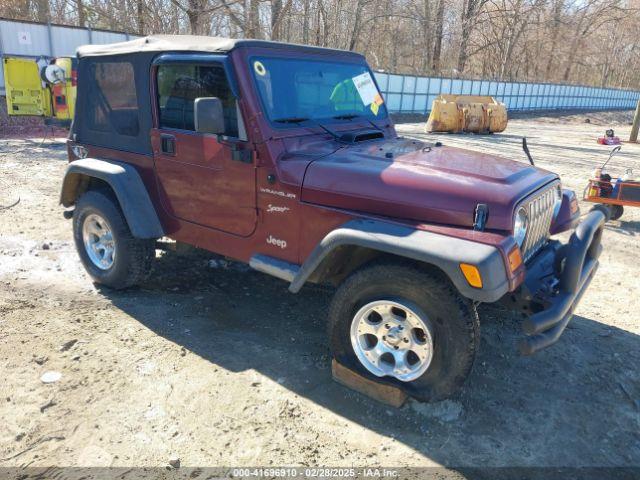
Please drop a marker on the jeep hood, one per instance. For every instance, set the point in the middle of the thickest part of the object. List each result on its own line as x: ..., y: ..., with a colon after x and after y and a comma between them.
x: 418, y: 181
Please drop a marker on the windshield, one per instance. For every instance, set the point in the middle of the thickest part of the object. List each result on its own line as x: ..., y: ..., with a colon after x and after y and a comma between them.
x: 294, y: 91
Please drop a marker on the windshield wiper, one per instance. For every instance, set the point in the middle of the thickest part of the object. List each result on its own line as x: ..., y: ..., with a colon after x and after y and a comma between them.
x: 351, y: 116
x: 330, y: 132
x: 291, y: 120
x: 298, y: 120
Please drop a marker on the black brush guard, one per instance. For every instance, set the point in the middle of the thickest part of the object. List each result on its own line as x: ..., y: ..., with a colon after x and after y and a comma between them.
x: 556, y: 280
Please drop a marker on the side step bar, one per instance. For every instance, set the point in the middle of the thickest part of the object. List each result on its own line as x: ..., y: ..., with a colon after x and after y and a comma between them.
x: 275, y: 267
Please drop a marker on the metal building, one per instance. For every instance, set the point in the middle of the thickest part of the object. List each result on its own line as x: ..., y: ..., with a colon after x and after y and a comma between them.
x: 31, y: 39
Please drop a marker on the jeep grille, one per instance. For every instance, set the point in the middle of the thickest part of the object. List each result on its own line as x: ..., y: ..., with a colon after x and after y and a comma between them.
x: 540, y: 210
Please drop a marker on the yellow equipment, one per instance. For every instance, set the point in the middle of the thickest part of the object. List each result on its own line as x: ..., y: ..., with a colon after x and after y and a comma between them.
x: 45, y: 89
x: 467, y: 113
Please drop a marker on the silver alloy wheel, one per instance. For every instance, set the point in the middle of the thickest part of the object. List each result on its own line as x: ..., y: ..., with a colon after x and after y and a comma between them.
x: 392, y: 339
x: 98, y: 241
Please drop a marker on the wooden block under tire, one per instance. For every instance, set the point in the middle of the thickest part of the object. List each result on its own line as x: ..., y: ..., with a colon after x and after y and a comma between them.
x: 386, y: 394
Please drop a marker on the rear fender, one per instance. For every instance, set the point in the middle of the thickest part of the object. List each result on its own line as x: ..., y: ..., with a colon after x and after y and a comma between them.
x: 127, y: 185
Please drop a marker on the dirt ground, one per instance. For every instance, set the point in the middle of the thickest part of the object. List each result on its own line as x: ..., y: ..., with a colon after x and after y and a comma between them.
x: 221, y: 366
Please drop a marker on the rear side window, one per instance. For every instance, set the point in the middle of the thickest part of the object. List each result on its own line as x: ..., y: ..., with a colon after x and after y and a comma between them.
x: 113, y: 105
x: 179, y: 86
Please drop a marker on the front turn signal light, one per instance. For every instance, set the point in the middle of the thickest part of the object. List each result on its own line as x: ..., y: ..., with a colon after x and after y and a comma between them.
x: 515, y: 259
x: 472, y: 274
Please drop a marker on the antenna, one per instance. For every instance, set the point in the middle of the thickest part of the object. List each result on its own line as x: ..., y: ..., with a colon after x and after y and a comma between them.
x: 525, y: 147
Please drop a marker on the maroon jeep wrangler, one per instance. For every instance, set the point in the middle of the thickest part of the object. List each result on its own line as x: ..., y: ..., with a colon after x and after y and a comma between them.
x: 284, y: 157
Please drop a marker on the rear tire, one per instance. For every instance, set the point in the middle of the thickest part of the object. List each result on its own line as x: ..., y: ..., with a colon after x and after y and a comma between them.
x: 451, y: 321
x: 616, y: 211
x: 111, y: 255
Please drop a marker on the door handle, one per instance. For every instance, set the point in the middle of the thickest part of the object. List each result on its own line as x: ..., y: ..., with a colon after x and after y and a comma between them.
x: 168, y: 144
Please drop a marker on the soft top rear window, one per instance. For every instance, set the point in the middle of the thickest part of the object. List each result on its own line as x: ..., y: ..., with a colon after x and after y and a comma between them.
x: 112, y: 103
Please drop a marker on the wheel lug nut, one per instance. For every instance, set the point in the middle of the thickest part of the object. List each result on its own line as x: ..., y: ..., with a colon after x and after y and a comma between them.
x: 384, y: 337
x: 396, y: 347
x: 387, y: 326
x: 406, y: 340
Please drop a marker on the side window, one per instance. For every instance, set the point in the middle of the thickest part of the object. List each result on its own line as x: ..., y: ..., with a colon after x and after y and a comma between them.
x: 113, y: 105
x: 178, y: 87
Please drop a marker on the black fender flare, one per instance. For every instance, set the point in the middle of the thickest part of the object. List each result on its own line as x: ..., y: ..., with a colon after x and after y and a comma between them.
x: 442, y: 251
x: 127, y: 185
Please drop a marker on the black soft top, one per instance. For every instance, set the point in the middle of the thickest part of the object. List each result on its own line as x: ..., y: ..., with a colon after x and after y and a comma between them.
x: 113, y: 107
x: 192, y: 43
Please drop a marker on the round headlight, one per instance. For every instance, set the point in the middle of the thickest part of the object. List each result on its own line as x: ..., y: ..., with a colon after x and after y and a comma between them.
x: 558, y: 204
x: 520, y: 226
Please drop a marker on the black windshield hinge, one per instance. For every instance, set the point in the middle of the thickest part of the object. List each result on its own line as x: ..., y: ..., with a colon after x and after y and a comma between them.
x: 244, y: 155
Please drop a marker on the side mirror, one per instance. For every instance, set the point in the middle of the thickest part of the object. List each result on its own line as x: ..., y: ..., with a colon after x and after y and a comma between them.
x: 208, y: 115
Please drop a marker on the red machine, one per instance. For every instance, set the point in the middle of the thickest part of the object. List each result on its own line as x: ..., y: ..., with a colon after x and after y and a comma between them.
x: 614, y: 192
x: 609, y: 138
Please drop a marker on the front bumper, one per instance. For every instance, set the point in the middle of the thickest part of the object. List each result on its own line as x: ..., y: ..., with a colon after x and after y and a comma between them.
x: 556, y: 280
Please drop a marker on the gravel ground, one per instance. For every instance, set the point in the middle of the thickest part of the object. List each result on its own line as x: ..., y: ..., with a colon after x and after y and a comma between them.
x: 220, y: 366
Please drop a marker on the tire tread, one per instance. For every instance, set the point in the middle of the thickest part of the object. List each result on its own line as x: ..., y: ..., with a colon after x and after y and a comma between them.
x: 139, y: 252
x: 438, y: 287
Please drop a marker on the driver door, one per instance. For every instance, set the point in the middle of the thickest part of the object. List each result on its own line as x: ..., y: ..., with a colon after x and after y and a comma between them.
x: 200, y: 178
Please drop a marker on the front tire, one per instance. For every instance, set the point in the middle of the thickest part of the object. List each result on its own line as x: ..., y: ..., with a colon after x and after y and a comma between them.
x: 111, y: 255
x: 398, y: 324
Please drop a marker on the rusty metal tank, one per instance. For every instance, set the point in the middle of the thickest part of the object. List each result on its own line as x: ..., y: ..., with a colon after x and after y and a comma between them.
x: 467, y: 113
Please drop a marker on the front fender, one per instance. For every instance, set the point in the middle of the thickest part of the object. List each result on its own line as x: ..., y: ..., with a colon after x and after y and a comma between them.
x: 442, y: 251
x: 127, y: 185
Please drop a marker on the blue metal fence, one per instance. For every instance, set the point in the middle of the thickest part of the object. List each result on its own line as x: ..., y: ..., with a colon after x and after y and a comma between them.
x: 412, y: 94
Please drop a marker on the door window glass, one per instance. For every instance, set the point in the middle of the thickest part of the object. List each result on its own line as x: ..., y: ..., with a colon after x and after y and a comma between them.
x: 179, y: 86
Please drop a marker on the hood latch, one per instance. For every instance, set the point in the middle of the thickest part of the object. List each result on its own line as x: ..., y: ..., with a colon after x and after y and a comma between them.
x: 482, y: 212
